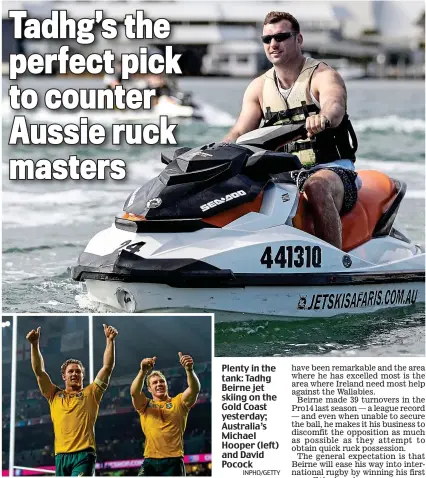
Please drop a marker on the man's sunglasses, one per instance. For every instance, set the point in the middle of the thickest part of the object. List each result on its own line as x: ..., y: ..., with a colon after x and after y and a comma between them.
x: 279, y: 37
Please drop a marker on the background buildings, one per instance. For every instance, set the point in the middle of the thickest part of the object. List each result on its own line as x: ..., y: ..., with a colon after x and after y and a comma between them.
x: 373, y: 38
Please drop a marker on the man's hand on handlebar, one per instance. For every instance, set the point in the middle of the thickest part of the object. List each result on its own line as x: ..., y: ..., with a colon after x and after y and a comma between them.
x: 316, y: 123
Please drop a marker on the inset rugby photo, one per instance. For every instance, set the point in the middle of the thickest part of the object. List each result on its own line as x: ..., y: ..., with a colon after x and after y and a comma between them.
x: 127, y: 395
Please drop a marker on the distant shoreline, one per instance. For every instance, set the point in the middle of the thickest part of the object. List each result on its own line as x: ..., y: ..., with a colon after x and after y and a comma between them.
x: 140, y: 76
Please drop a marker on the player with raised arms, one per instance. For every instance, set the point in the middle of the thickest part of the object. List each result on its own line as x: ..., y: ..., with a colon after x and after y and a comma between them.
x: 163, y: 418
x: 74, y: 409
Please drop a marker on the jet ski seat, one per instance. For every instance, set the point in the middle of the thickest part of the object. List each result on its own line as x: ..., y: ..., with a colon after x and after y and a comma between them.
x: 372, y: 215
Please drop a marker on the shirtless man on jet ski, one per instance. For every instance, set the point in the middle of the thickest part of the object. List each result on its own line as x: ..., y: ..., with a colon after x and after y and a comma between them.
x: 305, y: 90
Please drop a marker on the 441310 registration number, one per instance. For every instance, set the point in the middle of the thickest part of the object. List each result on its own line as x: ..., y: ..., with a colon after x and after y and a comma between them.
x: 292, y: 256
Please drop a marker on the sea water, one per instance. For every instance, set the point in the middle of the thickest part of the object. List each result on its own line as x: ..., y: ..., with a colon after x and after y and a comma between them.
x: 46, y: 225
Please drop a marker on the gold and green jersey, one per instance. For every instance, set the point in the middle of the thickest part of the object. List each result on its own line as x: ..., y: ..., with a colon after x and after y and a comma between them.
x: 163, y: 424
x: 74, y: 415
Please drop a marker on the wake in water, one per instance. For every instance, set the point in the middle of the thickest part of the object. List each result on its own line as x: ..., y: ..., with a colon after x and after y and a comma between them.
x: 66, y: 207
x: 87, y: 305
x: 36, y: 209
x: 381, y: 331
x: 212, y: 115
x: 390, y: 123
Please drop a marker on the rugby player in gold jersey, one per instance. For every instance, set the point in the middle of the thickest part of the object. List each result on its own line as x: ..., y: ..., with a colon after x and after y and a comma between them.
x: 74, y: 409
x: 163, y: 418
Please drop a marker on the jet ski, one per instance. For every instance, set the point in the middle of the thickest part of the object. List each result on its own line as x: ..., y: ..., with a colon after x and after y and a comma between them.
x: 174, y: 107
x: 172, y: 102
x: 166, y: 106
x: 223, y: 227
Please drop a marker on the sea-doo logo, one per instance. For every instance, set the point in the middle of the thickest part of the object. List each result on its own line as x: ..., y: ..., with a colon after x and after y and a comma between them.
x: 153, y: 203
x: 347, y: 261
x: 302, y: 303
x: 222, y: 200
x: 285, y: 197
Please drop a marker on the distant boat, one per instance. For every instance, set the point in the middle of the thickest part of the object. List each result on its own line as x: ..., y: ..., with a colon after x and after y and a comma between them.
x: 347, y: 70
x: 239, y: 58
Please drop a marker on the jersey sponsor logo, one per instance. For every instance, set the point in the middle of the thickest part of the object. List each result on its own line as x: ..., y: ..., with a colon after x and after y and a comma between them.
x: 222, y: 200
x: 79, y: 395
x: 168, y: 405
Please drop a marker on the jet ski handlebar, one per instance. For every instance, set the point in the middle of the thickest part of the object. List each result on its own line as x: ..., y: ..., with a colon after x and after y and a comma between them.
x: 270, y: 137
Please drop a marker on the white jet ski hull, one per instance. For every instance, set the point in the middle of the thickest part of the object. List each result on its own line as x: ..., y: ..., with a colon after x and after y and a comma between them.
x: 194, y: 271
x: 287, y: 303
x: 220, y: 229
